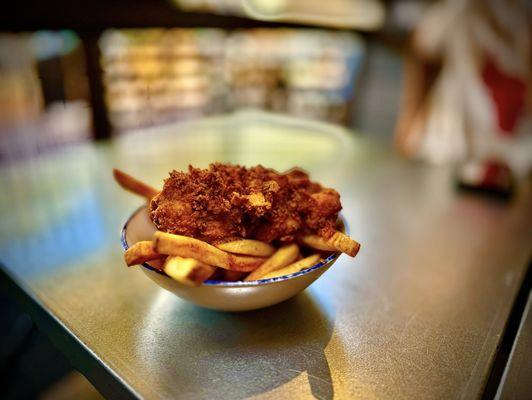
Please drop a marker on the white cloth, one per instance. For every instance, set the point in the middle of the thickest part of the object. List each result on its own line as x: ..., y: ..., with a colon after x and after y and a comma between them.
x: 459, y: 104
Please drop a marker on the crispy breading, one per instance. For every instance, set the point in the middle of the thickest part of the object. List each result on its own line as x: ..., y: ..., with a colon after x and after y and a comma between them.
x: 233, y: 201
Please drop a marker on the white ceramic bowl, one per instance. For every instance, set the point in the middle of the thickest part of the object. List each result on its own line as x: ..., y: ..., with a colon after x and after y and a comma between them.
x: 222, y: 295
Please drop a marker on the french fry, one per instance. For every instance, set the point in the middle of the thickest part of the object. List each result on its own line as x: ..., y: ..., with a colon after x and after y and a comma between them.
x: 337, y: 242
x: 281, y: 258
x: 183, y: 246
x: 134, y: 185
x: 187, y: 271
x: 316, y: 242
x: 157, y: 264
x: 344, y: 243
x: 141, y: 252
x: 247, y: 247
x: 231, y: 276
x: 293, y: 268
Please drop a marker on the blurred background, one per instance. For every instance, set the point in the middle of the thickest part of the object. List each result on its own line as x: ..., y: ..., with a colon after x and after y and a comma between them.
x: 70, y: 73
x: 442, y: 81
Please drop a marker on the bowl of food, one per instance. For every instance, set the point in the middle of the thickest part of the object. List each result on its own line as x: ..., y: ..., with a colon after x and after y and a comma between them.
x: 232, y: 238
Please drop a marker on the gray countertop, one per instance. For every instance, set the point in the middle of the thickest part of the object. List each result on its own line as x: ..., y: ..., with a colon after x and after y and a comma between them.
x: 417, y: 314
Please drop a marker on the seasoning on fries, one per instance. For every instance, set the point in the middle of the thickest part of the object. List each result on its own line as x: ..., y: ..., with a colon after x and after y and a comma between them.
x: 184, y: 246
x: 234, y: 223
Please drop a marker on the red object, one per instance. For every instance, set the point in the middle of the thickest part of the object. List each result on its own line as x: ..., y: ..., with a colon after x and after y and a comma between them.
x: 508, y: 94
x: 490, y: 177
x: 495, y: 174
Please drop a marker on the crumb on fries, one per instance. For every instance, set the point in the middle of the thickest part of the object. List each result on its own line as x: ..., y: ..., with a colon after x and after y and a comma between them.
x: 281, y: 258
x: 141, y: 252
x: 184, y: 246
x: 231, y: 248
x: 187, y: 271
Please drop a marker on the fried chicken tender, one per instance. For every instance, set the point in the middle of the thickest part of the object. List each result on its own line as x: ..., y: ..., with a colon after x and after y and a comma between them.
x: 233, y: 201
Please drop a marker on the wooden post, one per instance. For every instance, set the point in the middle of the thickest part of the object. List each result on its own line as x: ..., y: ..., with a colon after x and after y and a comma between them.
x: 100, y: 117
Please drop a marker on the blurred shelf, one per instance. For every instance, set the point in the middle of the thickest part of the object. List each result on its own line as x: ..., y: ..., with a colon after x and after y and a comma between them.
x: 153, y: 76
x: 114, y: 84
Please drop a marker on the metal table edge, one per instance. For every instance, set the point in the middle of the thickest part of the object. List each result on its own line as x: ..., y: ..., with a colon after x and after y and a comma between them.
x: 107, y: 382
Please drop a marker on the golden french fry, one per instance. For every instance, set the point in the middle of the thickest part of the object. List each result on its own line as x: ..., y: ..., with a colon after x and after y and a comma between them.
x: 183, y: 246
x: 344, y: 243
x: 141, y: 252
x: 281, y: 258
x: 337, y: 242
x: 316, y: 242
x: 134, y: 185
x: 187, y: 271
x: 248, y: 247
x: 231, y: 276
x: 293, y: 268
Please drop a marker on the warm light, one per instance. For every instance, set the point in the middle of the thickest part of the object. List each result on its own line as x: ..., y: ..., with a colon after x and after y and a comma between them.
x: 356, y: 14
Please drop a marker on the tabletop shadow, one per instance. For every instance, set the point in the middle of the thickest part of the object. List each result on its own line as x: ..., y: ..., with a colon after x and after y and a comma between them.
x: 236, y: 355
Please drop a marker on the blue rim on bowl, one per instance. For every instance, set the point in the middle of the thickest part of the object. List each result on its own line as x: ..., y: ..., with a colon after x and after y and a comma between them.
x: 209, y: 282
